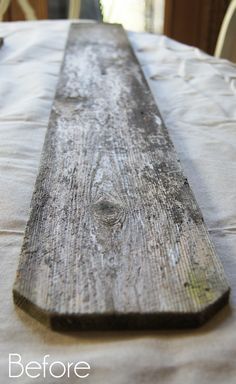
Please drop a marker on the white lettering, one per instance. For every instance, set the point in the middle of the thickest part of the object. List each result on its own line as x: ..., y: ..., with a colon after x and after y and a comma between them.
x: 32, y: 365
x: 18, y: 362
x: 80, y: 366
x: 53, y: 374
x: 56, y: 369
x: 44, y: 365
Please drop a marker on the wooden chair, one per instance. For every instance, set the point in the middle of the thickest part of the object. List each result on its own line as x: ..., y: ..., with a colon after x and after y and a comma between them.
x: 85, y: 9
x: 74, y: 9
x: 226, y: 43
x: 14, y: 10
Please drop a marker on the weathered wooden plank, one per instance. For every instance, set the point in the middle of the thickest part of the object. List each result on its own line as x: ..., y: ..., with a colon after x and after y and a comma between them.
x: 115, y: 238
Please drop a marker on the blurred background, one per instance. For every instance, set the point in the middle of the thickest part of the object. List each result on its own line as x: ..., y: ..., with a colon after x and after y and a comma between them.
x: 193, y: 22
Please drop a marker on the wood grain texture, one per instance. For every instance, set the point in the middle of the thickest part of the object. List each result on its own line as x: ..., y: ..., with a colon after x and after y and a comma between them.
x: 115, y: 238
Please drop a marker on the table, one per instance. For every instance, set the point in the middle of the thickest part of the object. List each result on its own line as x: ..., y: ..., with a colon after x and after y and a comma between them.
x: 196, y: 94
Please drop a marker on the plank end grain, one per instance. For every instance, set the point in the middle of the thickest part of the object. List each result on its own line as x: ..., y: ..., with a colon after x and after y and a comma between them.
x: 115, y: 238
x: 120, y: 321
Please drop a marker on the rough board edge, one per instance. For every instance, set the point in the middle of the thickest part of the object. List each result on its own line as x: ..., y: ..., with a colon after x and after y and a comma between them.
x: 113, y: 321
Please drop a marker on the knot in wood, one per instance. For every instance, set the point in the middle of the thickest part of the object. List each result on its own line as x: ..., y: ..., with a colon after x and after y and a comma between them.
x: 109, y: 212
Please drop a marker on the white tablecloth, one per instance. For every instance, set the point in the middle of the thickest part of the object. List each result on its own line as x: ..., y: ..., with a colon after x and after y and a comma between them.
x: 196, y: 96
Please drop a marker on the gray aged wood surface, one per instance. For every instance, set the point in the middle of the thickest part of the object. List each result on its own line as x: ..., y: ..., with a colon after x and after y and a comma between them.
x: 115, y: 238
